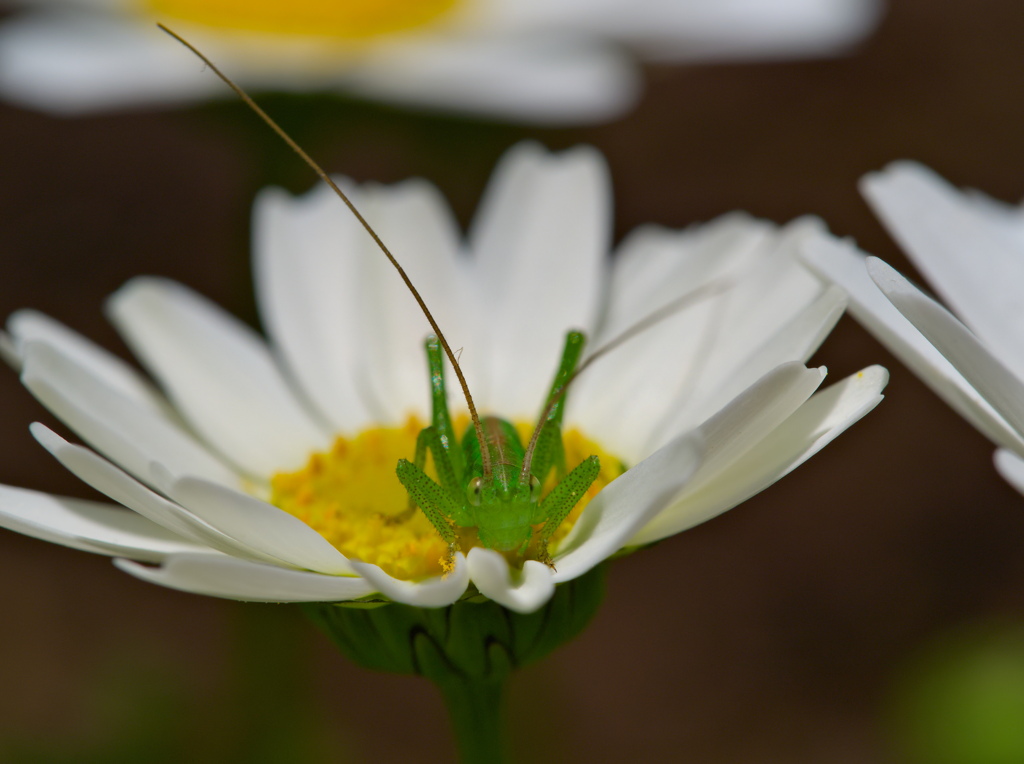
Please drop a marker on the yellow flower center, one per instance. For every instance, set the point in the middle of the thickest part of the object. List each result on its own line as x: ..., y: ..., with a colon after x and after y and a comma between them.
x: 341, y: 19
x: 352, y: 497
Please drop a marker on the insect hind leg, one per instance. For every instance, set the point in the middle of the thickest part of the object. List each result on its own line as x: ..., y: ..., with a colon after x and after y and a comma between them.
x: 420, y: 460
x: 549, y: 451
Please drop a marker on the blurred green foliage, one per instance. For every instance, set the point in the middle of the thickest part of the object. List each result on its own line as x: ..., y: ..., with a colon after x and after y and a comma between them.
x: 961, y: 700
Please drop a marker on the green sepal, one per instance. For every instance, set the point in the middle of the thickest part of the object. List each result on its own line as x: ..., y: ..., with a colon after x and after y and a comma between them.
x: 475, y: 639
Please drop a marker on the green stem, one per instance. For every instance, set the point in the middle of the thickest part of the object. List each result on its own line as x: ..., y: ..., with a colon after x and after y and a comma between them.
x: 475, y: 706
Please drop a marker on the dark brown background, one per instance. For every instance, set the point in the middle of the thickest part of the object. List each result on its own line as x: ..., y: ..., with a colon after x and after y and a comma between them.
x: 771, y: 634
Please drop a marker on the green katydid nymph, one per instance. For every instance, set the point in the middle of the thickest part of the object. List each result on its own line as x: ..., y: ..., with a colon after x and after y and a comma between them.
x: 494, y: 484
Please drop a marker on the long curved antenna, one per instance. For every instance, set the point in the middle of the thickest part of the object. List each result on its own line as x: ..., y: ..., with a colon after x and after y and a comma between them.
x: 645, y: 323
x: 485, y: 454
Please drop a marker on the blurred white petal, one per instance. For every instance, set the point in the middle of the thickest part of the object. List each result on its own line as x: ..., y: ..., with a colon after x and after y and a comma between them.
x: 553, y: 62
x: 972, y: 248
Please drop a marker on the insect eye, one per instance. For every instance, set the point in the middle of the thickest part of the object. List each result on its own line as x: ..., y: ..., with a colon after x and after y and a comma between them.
x: 534, y: 488
x: 474, y: 491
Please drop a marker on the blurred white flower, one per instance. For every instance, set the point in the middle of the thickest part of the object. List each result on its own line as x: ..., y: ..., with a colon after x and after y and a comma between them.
x: 970, y: 247
x: 240, y: 484
x: 546, y: 61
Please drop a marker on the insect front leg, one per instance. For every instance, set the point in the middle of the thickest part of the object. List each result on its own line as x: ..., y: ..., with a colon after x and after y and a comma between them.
x: 557, y: 505
x: 420, y: 460
x: 437, y: 504
x: 428, y: 439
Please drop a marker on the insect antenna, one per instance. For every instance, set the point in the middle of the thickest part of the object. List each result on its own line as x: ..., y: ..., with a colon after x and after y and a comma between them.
x: 484, y: 451
x: 654, y: 317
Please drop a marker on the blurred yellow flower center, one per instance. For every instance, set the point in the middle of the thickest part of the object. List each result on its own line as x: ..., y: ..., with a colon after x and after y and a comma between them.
x: 350, y: 493
x: 342, y: 19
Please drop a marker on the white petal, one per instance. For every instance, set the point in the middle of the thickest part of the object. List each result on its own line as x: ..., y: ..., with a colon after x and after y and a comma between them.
x: 986, y: 373
x: 219, y: 374
x: 813, y: 426
x: 801, y: 337
x: 540, y: 240
x: 753, y: 414
x: 972, y: 252
x: 543, y: 79
x: 626, y: 505
x: 629, y: 390
x: 746, y: 421
x: 306, y: 272
x: 655, y: 265
x: 249, y: 581
x: 839, y: 261
x: 761, y: 309
x: 773, y: 292
x: 414, y: 221
x: 9, y: 352
x: 31, y: 326
x: 108, y: 479
x: 623, y: 398
x: 491, y: 573
x: 131, y: 434
x: 795, y: 341
x: 732, y: 29
x: 87, y: 525
x: 1011, y: 467
x: 825, y: 416
x: 434, y: 592
x: 260, y: 526
x: 70, y: 63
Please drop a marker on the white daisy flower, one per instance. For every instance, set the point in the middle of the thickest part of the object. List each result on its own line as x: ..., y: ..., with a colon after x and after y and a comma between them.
x: 550, y: 61
x: 264, y: 470
x: 970, y: 247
